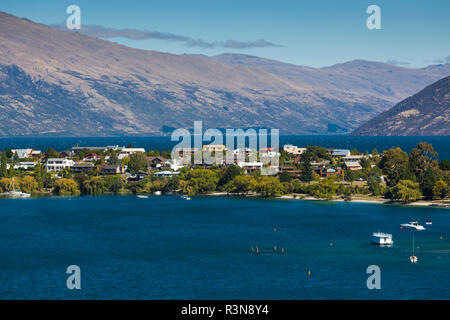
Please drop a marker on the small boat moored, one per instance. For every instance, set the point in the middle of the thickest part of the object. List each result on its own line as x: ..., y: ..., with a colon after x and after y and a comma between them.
x: 383, y: 239
x: 13, y: 193
x: 142, y: 197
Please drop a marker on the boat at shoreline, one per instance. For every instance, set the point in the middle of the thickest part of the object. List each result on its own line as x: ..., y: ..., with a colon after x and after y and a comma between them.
x: 13, y: 193
x: 382, y: 239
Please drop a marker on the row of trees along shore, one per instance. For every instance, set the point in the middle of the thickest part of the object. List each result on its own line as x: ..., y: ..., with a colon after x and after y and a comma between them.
x: 393, y: 175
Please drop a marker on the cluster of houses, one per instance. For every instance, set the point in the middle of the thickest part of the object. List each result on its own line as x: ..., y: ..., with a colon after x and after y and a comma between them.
x: 323, y: 168
x: 245, y: 158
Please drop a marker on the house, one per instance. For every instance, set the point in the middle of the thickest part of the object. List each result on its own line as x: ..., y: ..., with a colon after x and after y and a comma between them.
x: 183, y: 151
x: 246, y: 151
x: 340, y: 152
x: 174, y: 164
x: 138, y: 176
x: 126, y: 152
x: 353, y: 165
x: 251, y: 166
x: 320, y: 164
x: 111, y: 169
x: 67, y: 154
x: 82, y: 167
x: 130, y: 151
x: 22, y: 153
x: 353, y: 158
x: 165, y: 174
x: 214, y: 148
x: 36, y: 154
x: 290, y: 170
x: 58, y: 164
x: 270, y: 154
x: 156, y: 161
x: 328, y: 171
x: 92, y: 157
x: 24, y: 165
x: 289, y: 148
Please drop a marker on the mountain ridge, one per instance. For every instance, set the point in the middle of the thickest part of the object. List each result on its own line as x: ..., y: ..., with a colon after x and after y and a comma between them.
x: 427, y: 113
x: 64, y: 83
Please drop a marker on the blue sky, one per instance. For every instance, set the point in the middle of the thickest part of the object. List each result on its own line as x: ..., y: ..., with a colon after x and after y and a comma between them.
x: 314, y: 33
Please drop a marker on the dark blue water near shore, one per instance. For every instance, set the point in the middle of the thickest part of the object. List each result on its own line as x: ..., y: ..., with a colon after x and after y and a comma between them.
x: 441, y: 144
x: 168, y: 248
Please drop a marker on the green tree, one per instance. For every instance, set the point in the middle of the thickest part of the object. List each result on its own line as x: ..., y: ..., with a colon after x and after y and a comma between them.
x: 349, y: 175
x: 138, y: 162
x: 428, y: 180
x: 94, y: 186
x: 51, y: 153
x: 307, y: 173
x: 421, y: 158
x: 373, y: 181
x: 240, y: 185
x: 199, y: 181
x: 230, y: 173
x: 113, y: 159
x: 395, y: 164
x: 269, y: 186
x: 114, y: 183
x: 406, y: 191
x: 440, y: 189
x: 28, y: 184
x: 9, y: 154
x: 285, y: 177
x: 5, y: 184
x: 325, y: 189
x: 3, y: 167
x: 66, y: 187
x: 444, y: 165
x: 39, y: 174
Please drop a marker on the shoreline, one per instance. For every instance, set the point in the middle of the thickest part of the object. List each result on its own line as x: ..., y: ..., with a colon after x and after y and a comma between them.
x: 421, y: 203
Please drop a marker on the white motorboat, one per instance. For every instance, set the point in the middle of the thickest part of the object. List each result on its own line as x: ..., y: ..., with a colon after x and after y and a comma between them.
x: 142, y: 197
x: 383, y: 239
x: 413, y: 225
x: 157, y: 193
x: 13, y: 193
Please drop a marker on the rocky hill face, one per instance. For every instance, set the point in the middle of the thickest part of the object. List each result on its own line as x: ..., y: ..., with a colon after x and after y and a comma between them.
x: 66, y: 84
x: 426, y: 113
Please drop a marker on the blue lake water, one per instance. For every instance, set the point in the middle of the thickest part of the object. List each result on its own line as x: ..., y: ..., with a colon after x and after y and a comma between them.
x: 441, y: 144
x: 169, y: 248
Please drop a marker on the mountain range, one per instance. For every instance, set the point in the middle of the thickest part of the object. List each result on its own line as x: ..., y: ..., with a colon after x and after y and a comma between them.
x: 426, y: 113
x: 63, y: 83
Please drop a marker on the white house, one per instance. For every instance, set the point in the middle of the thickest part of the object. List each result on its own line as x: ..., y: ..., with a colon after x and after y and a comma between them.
x: 58, y: 164
x: 22, y: 153
x: 166, y: 174
x: 253, y: 164
x: 289, y: 148
x: 126, y: 152
x: 24, y: 165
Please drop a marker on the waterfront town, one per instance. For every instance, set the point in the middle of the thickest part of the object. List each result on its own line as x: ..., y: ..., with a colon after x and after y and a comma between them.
x: 302, y: 172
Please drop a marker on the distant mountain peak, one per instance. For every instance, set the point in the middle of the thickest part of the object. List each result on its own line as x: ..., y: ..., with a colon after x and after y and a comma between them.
x: 427, y: 113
